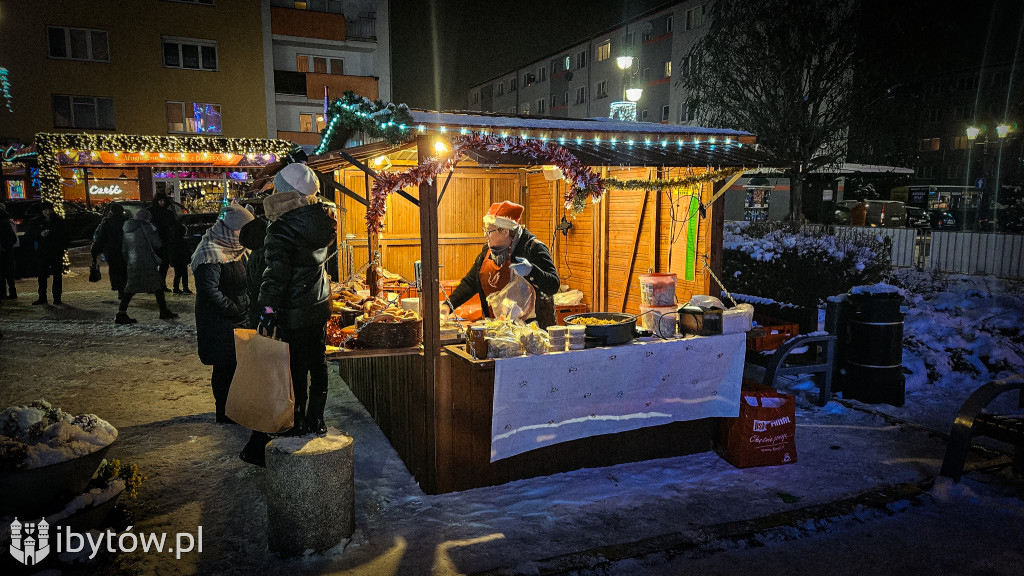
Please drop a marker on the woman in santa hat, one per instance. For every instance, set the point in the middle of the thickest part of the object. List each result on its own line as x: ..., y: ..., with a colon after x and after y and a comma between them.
x: 510, y: 247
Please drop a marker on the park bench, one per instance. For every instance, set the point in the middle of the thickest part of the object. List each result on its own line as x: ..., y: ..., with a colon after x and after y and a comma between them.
x: 973, y: 420
x: 821, y: 347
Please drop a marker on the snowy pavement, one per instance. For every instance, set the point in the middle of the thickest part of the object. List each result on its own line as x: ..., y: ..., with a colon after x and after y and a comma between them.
x: 860, y: 492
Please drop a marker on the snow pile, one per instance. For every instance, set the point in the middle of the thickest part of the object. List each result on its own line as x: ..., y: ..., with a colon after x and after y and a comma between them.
x: 771, y: 246
x: 961, y: 331
x: 880, y: 288
x: 40, y: 434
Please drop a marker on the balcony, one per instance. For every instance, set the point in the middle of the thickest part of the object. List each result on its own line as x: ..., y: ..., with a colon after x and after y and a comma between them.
x: 292, y: 83
x: 307, y: 24
x: 362, y: 28
x: 338, y: 84
x: 301, y: 138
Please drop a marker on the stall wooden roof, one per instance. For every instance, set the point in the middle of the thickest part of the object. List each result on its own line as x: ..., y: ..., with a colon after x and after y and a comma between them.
x: 596, y: 142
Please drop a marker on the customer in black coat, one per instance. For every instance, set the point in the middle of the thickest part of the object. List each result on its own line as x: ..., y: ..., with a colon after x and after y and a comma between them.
x: 50, y: 239
x: 108, y: 240
x: 180, y: 256
x: 164, y: 219
x: 252, y: 236
x: 218, y: 267
x: 8, y: 243
x: 295, y: 294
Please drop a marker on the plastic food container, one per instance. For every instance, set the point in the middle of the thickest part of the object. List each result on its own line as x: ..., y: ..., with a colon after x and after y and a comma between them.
x: 657, y: 289
x: 658, y: 319
x: 737, y: 319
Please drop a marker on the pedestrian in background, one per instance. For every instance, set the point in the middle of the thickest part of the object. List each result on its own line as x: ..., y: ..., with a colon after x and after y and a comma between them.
x: 252, y: 236
x: 50, y: 239
x: 8, y: 244
x: 218, y: 267
x: 109, y: 241
x: 295, y: 294
x: 180, y: 256
x: 140, y: 244
x: 163, y: 218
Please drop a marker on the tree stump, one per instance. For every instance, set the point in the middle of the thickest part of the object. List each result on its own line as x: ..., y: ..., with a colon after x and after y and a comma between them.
x: 310, y: 492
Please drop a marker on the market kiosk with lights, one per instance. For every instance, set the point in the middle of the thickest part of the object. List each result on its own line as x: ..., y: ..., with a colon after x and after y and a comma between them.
x: 436, y: 403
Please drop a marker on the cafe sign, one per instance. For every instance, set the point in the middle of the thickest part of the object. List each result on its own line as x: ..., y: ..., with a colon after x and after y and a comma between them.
x: 113, y: 190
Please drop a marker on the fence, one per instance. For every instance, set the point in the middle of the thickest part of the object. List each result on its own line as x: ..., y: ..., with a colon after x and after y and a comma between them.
x: 995, y: 254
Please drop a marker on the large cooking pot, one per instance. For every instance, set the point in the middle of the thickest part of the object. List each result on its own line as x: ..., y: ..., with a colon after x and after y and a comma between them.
x: 623, y: 331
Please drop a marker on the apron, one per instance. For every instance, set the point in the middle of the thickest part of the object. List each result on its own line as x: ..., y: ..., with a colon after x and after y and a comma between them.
x: 493, y: 277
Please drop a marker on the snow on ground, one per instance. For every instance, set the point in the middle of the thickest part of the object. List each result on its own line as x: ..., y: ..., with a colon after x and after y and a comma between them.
x: 146, y: 380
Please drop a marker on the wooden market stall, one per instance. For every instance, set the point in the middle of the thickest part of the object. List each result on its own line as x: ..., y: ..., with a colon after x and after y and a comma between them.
x: 662, y: 213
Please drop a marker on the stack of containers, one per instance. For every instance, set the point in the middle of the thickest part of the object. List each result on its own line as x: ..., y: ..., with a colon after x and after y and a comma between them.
x: 658, y: 303
x: 556, y: 338
x: 577, y: 336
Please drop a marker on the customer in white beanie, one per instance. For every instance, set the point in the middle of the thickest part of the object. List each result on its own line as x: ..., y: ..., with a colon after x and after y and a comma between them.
x: 218, y: 268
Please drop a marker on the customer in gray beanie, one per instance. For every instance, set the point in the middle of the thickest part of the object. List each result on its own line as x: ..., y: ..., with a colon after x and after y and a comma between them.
x: 218, y: 268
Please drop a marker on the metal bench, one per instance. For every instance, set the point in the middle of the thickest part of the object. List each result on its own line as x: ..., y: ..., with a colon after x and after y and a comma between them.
x: 972, y: 421
x: 778, y: 365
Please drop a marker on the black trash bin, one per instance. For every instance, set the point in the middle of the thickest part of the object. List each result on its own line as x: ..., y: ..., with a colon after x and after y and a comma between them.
x: 874, y: 355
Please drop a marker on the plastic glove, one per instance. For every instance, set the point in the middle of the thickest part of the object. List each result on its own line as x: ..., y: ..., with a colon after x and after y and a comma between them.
x: 268, y: 322
x: 522, y: 267
x: 445, y: 312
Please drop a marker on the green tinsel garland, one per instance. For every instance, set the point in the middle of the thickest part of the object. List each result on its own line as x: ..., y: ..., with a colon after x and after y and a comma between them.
x: 378, y: 119
x: 710, y: 176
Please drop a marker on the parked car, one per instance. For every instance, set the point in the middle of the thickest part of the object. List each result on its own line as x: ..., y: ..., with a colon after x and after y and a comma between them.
x: 81, y: 223
x: 918, y: 217
x: 942, y: 220
x: 888, y: 213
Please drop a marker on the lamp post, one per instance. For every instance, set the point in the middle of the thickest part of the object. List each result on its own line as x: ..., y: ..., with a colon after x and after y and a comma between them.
x: 625, y: 109
x: 1002, y: 131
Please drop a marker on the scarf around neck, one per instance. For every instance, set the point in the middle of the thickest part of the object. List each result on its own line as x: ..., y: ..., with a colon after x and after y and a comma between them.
x: 219, y: 245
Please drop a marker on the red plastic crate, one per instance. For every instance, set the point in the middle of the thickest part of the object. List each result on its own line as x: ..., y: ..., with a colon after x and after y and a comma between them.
x: 770, y: 333
x: 562, y: 311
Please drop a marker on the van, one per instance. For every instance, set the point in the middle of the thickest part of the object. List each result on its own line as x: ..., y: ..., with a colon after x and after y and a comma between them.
x: 888, y: 213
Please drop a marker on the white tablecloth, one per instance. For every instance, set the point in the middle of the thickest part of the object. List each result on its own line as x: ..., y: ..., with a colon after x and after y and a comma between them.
x: 551, y: 398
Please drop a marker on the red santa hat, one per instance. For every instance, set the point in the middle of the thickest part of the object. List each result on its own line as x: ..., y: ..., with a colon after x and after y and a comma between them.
x: 504, y: 215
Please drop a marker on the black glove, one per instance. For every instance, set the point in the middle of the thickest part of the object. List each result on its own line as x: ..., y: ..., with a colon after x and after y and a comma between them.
x: 268, y: 322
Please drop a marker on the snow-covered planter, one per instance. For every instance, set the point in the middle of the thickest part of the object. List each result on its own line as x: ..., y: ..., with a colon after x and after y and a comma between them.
x: 48, y: 455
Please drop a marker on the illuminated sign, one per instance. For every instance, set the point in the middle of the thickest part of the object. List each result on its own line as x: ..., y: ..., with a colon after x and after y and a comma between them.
x: 15, y: 189
x: 113, y: 190
x: 14, y: 151
x: 209, y: 158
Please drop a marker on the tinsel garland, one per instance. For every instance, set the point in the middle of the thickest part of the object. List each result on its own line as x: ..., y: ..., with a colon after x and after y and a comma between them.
x: 376, y: 118
x: 709, y: 176
x: 584, y: 182
x: 5, y: 88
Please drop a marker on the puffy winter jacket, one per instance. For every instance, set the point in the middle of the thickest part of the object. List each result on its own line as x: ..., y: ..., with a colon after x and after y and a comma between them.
x: 295, y: 283
x: 252, y: 236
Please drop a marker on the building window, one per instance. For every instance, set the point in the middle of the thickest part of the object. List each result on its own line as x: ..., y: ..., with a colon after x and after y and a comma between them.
x: 960, y: 143
x: 83, y: 112
x: 193, y: 118
x: 332, y: 6
x: 554, y: 101
x: 568, y: 62
x: 668, y: 24
x: 476, y: 96
x: 540, y: 105
x: 688, y: 111
x: 601, y: 89
x: 581, y: 95
x: 604, y: 50
x: 933, y: 115
x: 643, y: 116
x: 526, y: 110
x: 512, y: 84
x: 501, y: 88
x: 664, y: 113
x: 581, y: 59
x: 685, y: 66
x: 646, y: 35
x: 930, y: 144
x: 311, y: 122
x: 668, y: 69
x: 695, y: 18
x: 203, y: 2
x: 565, y: 98
x: 627, y: 40
x: 542, y: 74
x: 190, y: 54
x: 77, y: 44
x: 529, y: 79
x: 646, y: 75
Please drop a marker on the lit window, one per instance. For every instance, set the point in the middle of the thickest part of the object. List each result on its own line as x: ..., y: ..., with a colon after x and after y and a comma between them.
x: 604, y: 50
x: 668, y: 69
x: 193, y: 118
x: 568, y: 62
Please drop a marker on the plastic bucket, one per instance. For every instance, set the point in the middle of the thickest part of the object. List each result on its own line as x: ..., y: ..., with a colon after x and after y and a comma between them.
x: 657, y: 289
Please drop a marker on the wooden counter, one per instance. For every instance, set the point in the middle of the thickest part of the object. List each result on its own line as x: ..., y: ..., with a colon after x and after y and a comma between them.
x: 444, y: 435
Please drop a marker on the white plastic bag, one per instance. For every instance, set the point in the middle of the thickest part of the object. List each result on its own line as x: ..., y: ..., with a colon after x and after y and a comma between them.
x: 516, y: 300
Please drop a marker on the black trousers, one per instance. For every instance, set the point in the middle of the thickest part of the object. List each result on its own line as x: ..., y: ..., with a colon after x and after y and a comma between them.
x: 307, y: 349
x: 221, y: 384
x: 181, y: 275
x: 164, y: 267
x: 7, y: 264
x: 161, y: 300
x: 49, y: 268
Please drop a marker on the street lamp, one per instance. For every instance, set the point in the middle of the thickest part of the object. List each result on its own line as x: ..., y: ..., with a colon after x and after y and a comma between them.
x: 1002, y: 131
x: 625, y: 109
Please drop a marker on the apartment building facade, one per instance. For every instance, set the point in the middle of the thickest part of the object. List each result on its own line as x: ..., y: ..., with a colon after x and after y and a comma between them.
x: 583, y: 80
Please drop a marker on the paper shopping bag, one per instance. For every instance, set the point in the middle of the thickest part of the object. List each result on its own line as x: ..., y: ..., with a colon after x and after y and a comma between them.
x: 764, y: 434
x: 261, y: 396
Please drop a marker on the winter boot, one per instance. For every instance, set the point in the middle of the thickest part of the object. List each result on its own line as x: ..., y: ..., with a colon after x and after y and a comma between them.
x: 315, y: 413
x: 166, y: 314
x: 122, y: 318
x: 255, y: 450
x: 299, y: 426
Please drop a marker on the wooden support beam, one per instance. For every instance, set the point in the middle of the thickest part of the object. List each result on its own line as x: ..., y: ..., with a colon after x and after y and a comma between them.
x: 632, y: 257
x: 331, y: 183
x: 373, y: 248
x: 445, y: 187
x: 430, y: 308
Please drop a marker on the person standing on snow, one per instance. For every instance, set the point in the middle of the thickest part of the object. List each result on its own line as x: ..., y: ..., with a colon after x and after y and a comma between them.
x: 295, y: 294
x: 218, y: 268
x: 109, y: 240
x: 50, y: 236
x: 140, y: 244
x: 163, y: 218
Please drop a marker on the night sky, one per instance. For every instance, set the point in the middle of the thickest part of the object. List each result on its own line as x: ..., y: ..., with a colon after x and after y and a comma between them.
x: 477, y: 40
x: 480, y: 39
